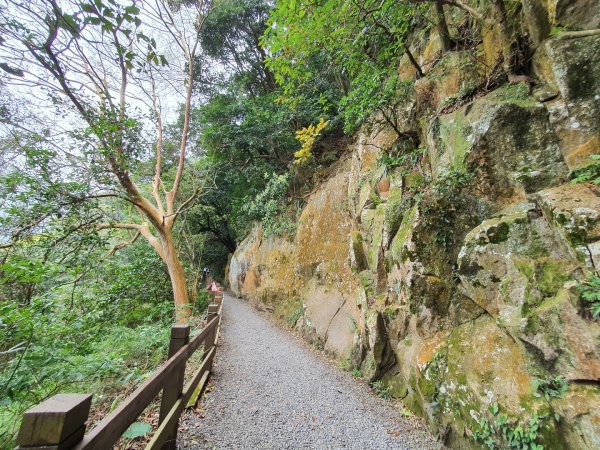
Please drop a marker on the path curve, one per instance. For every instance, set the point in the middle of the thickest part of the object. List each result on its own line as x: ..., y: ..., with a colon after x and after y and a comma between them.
x: 273, y: 392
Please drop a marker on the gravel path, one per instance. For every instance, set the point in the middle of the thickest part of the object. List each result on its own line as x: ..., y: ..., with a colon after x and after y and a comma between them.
x: 274, y: 392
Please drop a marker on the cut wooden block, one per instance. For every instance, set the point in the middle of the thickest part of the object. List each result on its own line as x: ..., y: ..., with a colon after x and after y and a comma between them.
x: 180, y: 331
x: 56, y: 422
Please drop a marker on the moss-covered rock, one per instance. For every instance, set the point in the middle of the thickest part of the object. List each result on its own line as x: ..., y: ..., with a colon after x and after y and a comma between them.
x: 453, y: 77
x: 578, y: 14
x: 505, y: 139
x: 567, y: 342
x: 358, y: 259
x: 579, y: 412
x: 573, y: 211
x: 520, y: 265
x: 456, y: 287
x: 573, y: 67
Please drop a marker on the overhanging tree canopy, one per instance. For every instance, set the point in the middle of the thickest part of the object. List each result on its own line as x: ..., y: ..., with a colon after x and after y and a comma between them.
x: 105, y: 70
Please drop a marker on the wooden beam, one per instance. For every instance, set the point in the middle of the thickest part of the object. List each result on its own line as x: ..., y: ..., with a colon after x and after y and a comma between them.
x: 198, y: 391
x: 58, y: 422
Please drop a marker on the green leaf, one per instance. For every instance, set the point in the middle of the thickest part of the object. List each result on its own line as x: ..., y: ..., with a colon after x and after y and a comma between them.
x: 134, y: 10
x: 137, y: 429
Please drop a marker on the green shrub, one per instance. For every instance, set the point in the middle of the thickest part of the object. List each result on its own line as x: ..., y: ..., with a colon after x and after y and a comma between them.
x: 202, y: 302
x: 550, y: 387
x: 589, y: 291
x: 380, y: 389
x: 269, y: 206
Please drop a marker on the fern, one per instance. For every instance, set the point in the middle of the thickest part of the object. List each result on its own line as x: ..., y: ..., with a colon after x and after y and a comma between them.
x: 589, y: 290
x: 589, y: 173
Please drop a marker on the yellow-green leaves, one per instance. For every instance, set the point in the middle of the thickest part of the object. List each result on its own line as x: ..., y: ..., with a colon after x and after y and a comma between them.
x: 307, y: 137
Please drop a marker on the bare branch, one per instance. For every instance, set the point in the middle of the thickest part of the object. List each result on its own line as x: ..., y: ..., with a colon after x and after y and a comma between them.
x: 124, y: 244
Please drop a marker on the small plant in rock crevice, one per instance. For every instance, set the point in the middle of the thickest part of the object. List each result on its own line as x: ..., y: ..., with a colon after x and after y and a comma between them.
x: 293, y: 318
x: 345, y: 364
x: 550, y: 387
x: 589, y: 291
x: 317, y: 345
x: 589, y: 173
x: 506, y: 432
x: 452, y: 182
x: 441, y: 207
x: 405, y: 412
x: 357, y: 373
x: 380, y: 389
x: 405, y: 161
x: 434, y: 373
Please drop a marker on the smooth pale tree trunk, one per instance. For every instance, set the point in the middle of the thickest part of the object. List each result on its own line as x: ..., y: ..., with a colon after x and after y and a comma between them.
x: 178, y: 280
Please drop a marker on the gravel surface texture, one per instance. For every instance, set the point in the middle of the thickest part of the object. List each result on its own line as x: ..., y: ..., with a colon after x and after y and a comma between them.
x: 272, y: 391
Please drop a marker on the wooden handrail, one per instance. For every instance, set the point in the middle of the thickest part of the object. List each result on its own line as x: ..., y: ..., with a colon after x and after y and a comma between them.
x: 60, y: 421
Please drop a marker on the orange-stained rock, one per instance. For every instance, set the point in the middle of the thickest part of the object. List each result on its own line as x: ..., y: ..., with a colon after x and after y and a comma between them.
x: 579, y: 410
x: 455, y: 75
x: 580, y: 156
x: 429, y: 347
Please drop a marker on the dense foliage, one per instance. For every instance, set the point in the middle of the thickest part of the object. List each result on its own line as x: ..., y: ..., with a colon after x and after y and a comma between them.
x: 357, y: 44
x: 99, y: 333
x: 245, y: 130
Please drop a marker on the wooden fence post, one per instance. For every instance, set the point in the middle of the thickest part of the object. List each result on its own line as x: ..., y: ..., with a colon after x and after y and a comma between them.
x: 55, y: 424
x: 180, y: 336
x: 213, y: 311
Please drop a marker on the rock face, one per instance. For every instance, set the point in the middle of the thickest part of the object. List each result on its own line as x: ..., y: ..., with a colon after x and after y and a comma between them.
x: 507, y: 120
x: 307, y: 281
x: 451, y: 276
x: 572, y: 67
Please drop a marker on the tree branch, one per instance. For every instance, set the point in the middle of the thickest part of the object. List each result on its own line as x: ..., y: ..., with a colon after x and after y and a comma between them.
x: 124, y: 244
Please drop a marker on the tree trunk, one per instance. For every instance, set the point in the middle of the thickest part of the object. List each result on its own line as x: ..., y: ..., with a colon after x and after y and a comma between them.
x: 508, y: 48
x: 413, y: 62
x: 178, y: 282
x: 194, y: 292
x: 442, y: 26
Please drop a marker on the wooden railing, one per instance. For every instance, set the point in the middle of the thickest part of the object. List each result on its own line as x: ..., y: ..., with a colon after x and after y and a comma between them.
x: 60, y: 422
